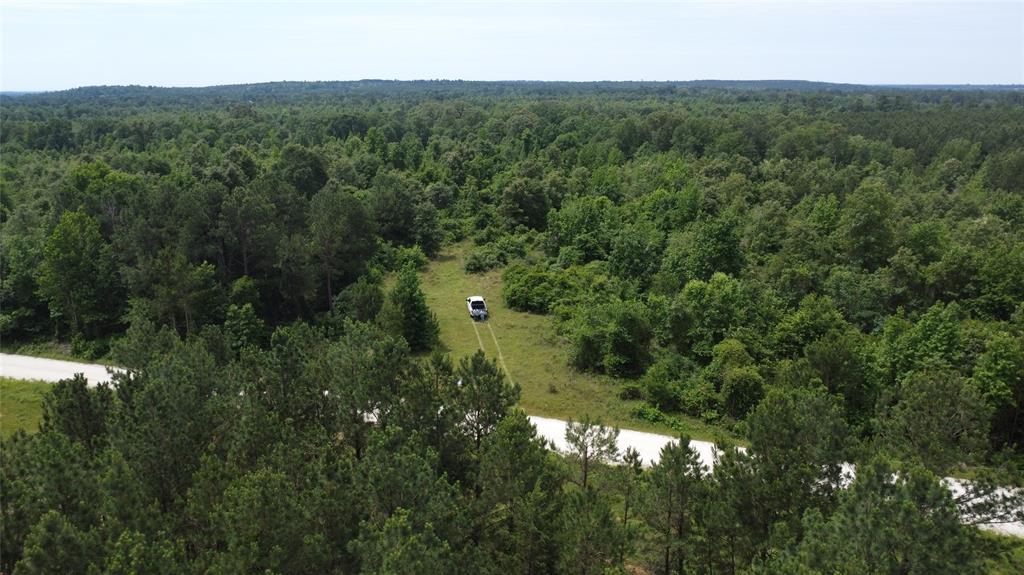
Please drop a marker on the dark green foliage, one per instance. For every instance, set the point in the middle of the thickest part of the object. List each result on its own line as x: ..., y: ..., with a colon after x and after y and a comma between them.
x: 405, y: 312
x: 302, y: 168
x: 56, y: 546
x: 670, y: 503
x: 593, y: 540
x: 519, y: 479
x: 483, y: 395
x: 865, y: 227
x: 706, y: 248
x: 23, y: 313
x: 999, y: 376
x: 889, y: 521
x: 636, y: 252
x: 939, y: 420
x: 534, y: 289
x: 360, y: 301
x: 800, y: 439
x: 77, y: 412
x: 341, y: 235
x: 495, y: 254
x: 613, y: 338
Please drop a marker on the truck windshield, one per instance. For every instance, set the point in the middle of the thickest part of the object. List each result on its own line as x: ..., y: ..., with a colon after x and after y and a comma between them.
x: 477, y: 305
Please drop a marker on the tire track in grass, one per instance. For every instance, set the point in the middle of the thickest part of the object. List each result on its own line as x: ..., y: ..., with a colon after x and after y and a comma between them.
x: 478, y: 338
x: 501, y: 358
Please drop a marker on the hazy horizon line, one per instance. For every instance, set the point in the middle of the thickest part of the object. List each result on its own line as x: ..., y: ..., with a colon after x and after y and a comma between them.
x: 515, y: 80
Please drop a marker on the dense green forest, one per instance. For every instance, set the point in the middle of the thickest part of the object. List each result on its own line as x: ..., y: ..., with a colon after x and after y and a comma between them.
x: 834, y: 273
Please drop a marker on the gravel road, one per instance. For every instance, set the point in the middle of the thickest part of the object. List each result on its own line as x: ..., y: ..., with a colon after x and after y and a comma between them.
x: 647, y: 444
x: 37, y: 368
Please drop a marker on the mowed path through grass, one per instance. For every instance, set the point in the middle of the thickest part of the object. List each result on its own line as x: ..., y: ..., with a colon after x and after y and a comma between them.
x: 525, y: 344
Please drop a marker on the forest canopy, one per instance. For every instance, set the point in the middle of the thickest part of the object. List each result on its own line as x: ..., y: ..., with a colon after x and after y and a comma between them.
x: 834, y: 273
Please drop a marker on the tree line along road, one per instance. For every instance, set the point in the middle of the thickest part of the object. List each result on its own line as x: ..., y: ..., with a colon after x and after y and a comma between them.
x: 649, y: 445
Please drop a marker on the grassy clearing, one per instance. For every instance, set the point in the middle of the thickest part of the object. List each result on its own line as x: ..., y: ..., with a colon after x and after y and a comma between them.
x: 534, y: 356
x: 21, y: 405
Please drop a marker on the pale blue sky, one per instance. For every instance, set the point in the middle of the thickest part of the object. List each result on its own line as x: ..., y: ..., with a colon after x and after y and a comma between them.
x: 49, y: 45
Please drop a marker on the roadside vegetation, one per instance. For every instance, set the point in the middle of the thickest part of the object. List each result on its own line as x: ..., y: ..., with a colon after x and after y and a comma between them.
x: 827, y: 273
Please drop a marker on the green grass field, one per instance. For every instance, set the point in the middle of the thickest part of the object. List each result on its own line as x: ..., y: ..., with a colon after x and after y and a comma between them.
x: 533, y: 355
x: 21, y: 405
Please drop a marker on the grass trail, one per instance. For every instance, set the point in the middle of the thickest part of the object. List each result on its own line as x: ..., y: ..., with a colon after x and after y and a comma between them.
x: 528, y: 349
x: 501, y: 358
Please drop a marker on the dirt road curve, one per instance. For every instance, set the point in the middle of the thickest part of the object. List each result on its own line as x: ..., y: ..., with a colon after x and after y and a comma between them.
x: 24, y: 367
x: 648, y: 444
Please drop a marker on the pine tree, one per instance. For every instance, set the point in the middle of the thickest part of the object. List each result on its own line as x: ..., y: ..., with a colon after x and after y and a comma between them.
x: 418, y: 324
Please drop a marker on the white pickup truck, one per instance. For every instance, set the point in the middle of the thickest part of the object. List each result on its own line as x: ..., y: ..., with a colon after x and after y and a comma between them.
x: 477, y: 307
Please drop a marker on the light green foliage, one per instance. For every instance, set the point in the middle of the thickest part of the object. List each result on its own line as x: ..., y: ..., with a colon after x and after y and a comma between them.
x: 496, y: 253
x: 709, y: 247
x: 815, y: 317
x: 582, y: 227
x: 865, y: 227
x: 78, y: 276
x: 706, y: 312
x: 398, y: 548
x: 999, y: 375
x: 535, y: 289
x: 663, y: 379
x: 935, y: 340
x: 135, y: 554
x: 243, y: 327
